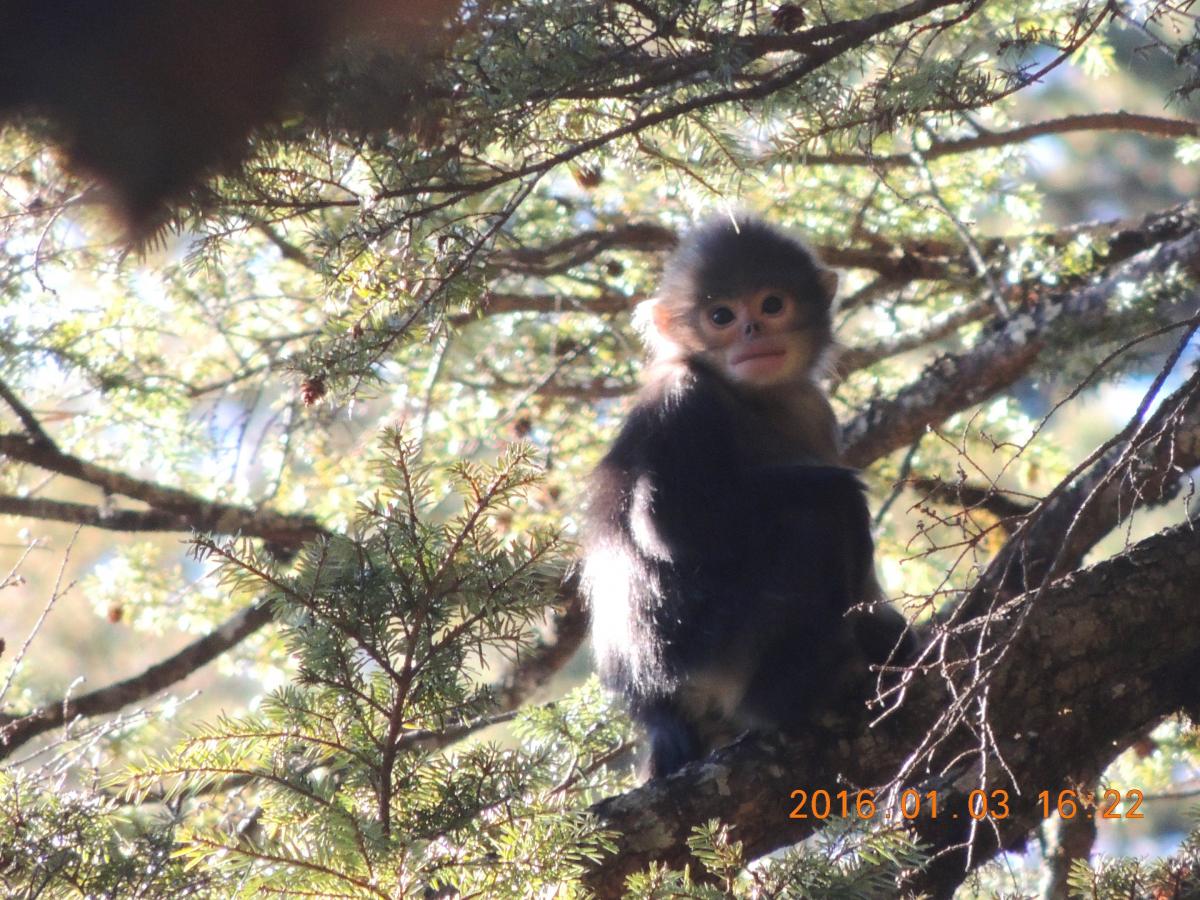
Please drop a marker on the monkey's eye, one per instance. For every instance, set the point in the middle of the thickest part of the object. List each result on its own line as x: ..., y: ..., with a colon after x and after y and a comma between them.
x: 721, y: 316
x: 772, y: 304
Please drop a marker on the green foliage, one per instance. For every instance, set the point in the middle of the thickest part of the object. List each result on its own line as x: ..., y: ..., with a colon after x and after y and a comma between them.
x: 69, y: 843
x: 845, y: 861
x: 1116, y: 879
x: 392, y: 628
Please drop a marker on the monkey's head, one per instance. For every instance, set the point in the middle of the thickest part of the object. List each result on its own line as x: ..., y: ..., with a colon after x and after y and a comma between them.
x: 749, y: 299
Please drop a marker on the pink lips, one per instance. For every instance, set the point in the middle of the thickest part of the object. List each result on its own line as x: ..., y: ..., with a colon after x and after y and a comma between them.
x: 755, y: 353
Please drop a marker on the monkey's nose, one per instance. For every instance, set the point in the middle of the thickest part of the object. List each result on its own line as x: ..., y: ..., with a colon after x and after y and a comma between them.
x: 753, y: 328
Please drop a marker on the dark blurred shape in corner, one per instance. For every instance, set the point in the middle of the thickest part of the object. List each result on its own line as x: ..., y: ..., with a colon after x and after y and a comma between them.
x: 150, y: 96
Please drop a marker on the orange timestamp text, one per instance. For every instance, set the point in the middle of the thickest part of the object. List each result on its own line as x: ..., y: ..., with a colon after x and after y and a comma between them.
x: 995, y: 804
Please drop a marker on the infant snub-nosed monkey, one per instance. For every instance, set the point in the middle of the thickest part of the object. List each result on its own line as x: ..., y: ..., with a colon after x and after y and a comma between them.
x: 725, y: 543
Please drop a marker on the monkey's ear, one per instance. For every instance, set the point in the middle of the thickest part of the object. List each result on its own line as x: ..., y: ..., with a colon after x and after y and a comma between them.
x: 828, y: 280
x: 646, y: 319
x: 660, y: 329
x: 660, y: 314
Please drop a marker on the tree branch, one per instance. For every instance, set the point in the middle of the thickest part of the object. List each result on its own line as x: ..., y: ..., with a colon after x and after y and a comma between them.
x: 971, y: 496
x: 1156, y: 126
x: 836, y: 40
x: 1116, y: 485
x: 28, y: 420
x: 495, y: 303
x: 852, y: 359
x: 1002, y: 355
x: 95, y: 516
x: 567, y: 631
x: 583, y: 247
x: 896, y: 262
x: 16, y: 730
x: 192, y: 511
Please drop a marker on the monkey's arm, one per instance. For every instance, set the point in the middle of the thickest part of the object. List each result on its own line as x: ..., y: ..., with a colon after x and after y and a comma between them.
x: 676, y: 482
x: 664, y: 558
x: 818, y: 518
x: 816, y: 561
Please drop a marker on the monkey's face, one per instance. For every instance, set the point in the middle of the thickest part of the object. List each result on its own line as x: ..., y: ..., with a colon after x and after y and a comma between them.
x: 764, y: 337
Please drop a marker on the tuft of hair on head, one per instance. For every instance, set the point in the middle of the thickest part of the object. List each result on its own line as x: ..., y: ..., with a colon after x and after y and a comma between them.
x: 725, y: 257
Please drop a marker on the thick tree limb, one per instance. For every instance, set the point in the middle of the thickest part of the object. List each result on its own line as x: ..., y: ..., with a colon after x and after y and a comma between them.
x: 16, y: 730
x: 1069, y: 840
x: 1057, y: 715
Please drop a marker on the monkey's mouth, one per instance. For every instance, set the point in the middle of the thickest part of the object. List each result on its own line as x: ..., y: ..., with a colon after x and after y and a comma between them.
x: 765, y: 355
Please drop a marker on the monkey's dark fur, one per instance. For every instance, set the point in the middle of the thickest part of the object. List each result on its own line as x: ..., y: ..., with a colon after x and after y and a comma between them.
x: 725, y: 545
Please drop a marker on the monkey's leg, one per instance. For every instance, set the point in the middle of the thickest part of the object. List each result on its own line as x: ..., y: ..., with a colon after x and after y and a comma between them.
x: 791, y: 681
x: 673, y: 740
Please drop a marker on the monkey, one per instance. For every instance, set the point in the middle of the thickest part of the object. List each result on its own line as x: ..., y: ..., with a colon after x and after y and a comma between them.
x: 727, y: 553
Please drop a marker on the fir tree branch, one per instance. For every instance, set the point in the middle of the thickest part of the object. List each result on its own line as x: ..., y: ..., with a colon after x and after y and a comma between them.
x: 835, y: 40
x: 567, y: 630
